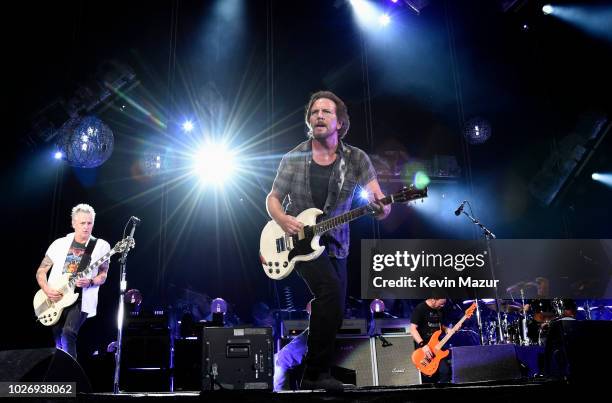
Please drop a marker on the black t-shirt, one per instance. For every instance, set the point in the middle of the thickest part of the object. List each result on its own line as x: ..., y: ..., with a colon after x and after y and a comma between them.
x: 427, y: 320
x: 73, y: 258
x: 319, y: 183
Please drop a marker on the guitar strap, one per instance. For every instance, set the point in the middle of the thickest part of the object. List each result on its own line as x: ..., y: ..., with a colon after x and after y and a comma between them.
x: 87, y: 255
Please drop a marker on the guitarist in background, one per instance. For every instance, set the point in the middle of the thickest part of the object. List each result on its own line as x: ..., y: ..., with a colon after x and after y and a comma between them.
x: 323, y: 172
x: 64, y: 256
x: 427, y: 317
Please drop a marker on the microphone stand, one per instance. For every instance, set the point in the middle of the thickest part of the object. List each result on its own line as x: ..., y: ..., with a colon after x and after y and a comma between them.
x: 488, y: 235
x: 120, y: 313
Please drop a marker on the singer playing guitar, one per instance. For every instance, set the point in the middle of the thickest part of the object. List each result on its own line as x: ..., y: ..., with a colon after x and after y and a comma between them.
x: 64, y: 256
x: 426, y: 318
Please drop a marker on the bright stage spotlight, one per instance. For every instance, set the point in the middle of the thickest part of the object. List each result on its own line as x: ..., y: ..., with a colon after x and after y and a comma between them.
x: 547, y: 9
x: 384, y: 20
x: 214, y: 163
x: 364, y: 11
x: 188, y: 126
x: 603, y: 178
x: 58, y: 155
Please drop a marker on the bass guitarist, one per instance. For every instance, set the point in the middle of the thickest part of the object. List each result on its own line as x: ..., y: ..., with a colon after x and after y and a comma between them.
x: 323, y: 172
x: 71, y: 254
x: 428, y: 317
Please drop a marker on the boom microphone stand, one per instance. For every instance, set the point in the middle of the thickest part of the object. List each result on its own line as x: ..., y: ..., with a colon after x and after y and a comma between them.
x: 122, y: 287
x: 488, y: 235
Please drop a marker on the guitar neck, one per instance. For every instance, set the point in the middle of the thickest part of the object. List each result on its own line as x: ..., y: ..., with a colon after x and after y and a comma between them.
x: 93, y: 265
x: 334, y: 222
x: 451, y: 332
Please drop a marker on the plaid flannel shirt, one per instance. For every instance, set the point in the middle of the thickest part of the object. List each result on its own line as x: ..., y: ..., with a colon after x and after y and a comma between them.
x: 292, y: 184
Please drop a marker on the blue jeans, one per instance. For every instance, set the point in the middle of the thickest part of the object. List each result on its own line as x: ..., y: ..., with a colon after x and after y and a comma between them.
x: 66, y: 330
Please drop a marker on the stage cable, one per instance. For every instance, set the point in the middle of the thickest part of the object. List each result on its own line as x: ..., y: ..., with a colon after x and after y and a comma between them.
x: 163, y: 210
x: 456, y: 75
x: 367, y: 104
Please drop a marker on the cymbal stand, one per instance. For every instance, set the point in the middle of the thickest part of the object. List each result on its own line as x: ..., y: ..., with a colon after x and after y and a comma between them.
x: 488, y: 236
x: 525, y: 338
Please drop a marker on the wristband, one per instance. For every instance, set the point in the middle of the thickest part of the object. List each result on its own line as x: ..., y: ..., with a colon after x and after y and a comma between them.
x: 422, y: 343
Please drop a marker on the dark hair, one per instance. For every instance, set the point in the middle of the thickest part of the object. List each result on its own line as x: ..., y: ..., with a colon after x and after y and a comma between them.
x: 341, y: 111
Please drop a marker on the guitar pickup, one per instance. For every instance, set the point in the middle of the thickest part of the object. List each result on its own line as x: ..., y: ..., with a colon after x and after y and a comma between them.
x: 281, y: 245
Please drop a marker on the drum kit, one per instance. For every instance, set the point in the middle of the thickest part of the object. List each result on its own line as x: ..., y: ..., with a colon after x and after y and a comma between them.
x: 523, y: 322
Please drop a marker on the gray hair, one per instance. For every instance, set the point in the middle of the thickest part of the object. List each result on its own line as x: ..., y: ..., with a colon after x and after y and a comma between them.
x: 83, y: 208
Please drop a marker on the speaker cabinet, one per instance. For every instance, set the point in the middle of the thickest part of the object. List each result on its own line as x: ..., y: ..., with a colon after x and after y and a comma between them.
x: 392, y: 358
x: 42, y: 365
x: 354, y: 354
x: 237, y: 358
x: 484, y: 363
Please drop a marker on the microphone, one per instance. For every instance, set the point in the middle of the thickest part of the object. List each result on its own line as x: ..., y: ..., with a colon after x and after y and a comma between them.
x: 135, y: 220
x: 460, y: 208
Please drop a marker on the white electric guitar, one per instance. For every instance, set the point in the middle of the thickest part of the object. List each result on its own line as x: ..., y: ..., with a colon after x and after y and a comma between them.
x: 279, y: 252
x: 48, y: 312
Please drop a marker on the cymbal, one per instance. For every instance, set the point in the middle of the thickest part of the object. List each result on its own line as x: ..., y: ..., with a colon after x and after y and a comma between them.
x: 521, y: 285
x: 505, y: 306
x: 485, y: 300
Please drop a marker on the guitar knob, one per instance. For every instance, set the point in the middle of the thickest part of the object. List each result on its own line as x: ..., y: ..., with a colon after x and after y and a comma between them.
x: 270, y: 271
x: 277, y: 271
x: 276, y: 264
x: 285, y: 264
x: 270, y: 264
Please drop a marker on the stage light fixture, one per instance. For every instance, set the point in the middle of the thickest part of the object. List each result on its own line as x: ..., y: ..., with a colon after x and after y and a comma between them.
x: 477, y: 130
x: 86, y: 142
x: 188, y: 126
x: 214, y: 163
x: 377, y: 306
x: 384, y: 20
x: 547, y: 9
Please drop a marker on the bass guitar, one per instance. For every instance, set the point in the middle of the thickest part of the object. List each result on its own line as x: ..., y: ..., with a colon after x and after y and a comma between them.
x: 429, y: 366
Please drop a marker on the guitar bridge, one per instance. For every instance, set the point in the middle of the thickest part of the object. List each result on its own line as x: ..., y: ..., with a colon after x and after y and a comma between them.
x: 284, y: 243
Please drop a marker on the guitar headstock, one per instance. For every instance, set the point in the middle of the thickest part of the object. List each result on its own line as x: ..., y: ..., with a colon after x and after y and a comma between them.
x: 470, y: 311
x: 124, y: 244
x: 409, y: 193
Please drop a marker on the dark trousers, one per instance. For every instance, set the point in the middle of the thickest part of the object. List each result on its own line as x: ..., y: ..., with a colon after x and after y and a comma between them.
x: 65, y: 331
x: 326, y: 279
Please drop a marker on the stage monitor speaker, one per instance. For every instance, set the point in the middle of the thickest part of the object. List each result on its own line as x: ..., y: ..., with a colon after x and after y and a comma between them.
x: 484, y: 363
x: 42, y: 365
x: 354, y: 354
x: 393, y: 364
x: 237, y: 358
x: 565, y: 349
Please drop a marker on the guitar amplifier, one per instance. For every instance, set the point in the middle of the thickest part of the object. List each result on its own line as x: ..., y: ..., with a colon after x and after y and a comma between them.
x: 237, y: 358
x: 393, y: 366
x: 350, y: 327
x: 392, y: 326
x: 353, y: 355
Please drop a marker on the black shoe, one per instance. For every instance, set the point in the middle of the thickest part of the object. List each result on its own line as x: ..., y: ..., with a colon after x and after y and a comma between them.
x: 323, y: 381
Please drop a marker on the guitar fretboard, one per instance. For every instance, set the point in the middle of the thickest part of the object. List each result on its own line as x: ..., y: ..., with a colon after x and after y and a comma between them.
x: 331, y: 223
x: 91, y: 266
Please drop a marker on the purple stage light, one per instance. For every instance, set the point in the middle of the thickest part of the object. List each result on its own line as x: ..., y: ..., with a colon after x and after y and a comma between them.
x: 377, y: 306
x: 218, y: 305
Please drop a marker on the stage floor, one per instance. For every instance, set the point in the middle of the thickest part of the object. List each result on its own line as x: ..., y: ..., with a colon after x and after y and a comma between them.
x: 500, y: 391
